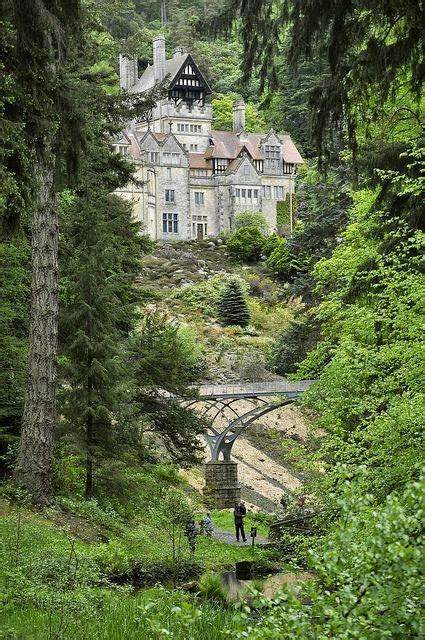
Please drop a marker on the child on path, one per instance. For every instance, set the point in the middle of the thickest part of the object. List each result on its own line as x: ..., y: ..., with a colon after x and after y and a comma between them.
x: 208, y: 525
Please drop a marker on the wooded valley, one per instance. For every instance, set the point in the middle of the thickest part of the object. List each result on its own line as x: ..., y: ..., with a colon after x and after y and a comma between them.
x: 101, y: 326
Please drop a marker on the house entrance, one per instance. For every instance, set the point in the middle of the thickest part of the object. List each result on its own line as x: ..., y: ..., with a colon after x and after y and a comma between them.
x: 200, y: 231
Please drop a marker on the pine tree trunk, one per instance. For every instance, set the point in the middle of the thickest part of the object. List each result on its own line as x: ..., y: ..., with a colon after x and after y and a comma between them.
x: 89, y: 458
x: 34, y: 466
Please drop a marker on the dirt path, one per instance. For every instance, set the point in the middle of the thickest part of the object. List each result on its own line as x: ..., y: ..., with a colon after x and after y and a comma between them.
x: 229, y: 538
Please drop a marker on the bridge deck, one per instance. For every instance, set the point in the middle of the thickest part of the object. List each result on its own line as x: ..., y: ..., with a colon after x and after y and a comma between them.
x: 254, y: 389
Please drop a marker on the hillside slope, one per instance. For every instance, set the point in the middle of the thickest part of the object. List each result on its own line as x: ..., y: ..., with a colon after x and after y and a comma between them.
x: 183, y: 281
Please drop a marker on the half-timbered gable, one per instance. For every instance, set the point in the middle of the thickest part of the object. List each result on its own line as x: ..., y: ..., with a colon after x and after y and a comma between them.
x: 189, y: 85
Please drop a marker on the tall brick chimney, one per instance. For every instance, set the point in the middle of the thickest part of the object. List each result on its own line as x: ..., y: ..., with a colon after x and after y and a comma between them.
x: 128, y: 71
x: 238, y: 116
x: 159, y: 58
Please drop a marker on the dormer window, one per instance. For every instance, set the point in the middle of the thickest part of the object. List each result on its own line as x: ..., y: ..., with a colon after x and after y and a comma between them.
x: 220, y: 165
x: 272, y: 152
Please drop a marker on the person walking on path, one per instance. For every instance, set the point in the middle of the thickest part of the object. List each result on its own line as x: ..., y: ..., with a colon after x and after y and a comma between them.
x: 208, y: 525
x: 239, y: 514
x: 201, y: 524
x: 191, y: 533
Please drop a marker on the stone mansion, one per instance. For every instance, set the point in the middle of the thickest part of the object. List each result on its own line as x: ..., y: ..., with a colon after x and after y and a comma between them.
x: 195, y: 180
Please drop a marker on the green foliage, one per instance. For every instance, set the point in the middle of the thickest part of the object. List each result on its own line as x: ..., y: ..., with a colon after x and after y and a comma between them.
x: 268, y: 318
x: 166, y: 358
x: 246, y: 244
x: 270, y: 244
x: 223, y: 114
x: 293, y: 344
x: 211, y: 588
x: 279, y: 260
x: 381, y: 47
x: 251, y: 219
x: 283, y: 211
x: 369, y: 361
x: 14, y: 315
x: 232, y: 308
x: 170, y: 355
x: 370, y: 577
x: 101, y: 259
x: 202, y: 296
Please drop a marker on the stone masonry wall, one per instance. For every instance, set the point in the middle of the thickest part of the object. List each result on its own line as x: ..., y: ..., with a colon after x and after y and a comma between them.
x: 221, y: 483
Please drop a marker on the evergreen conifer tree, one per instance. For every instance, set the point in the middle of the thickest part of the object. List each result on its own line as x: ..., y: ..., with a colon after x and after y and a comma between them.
x: 232, y: 307
x: 103, y: 250
x: 44, y: 33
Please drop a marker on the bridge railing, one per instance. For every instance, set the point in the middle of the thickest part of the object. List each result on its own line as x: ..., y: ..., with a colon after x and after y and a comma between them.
x: 248, y: 389
x: 254, y: 388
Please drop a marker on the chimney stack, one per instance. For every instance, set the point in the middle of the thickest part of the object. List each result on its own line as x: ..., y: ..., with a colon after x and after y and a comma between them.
x: 238, y: 116
x: 159, y: 58
x: 128, y: 71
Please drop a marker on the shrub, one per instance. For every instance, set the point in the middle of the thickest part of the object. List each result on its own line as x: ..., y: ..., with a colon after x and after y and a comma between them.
x: 370, y: 576
x: 269, y: 319
x: 202, y: 296
x: 262, y: 287
x: 251, y: 219
x: 232, y: 307
x: 252, y: 367
x: 279, y: 260
x: 212, y: 588
x: 246, y: 244
x: 293, y: 344
x: 271, y: 243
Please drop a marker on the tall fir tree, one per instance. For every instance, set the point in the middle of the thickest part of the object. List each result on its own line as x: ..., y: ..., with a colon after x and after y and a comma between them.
x: 103, y: 250
x: 43, y: 33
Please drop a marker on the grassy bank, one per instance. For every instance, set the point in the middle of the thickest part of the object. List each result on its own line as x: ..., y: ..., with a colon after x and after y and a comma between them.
x: 64, y: 576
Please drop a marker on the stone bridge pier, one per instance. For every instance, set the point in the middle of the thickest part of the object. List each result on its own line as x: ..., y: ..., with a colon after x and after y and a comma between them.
x: 221, y: 483
x: 216, y: 403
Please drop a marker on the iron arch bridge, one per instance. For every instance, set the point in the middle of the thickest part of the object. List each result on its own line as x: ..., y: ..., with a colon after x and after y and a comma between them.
x: 226, y: 424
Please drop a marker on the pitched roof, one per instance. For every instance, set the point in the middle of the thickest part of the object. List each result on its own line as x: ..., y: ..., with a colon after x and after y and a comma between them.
x: 147, y: 79
x: 290, y: 152
x: 172, y: 69
x: 198, y: 161
x: 160, y: 136
x: 236, y: 164
x: 135, y: 147
x: 121, y: 138
x: 227, y: 144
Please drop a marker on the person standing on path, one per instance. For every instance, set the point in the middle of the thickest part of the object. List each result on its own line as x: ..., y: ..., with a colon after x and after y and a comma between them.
x: 191, y: 533
x: 208, y: 525
x: 239, y: 514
